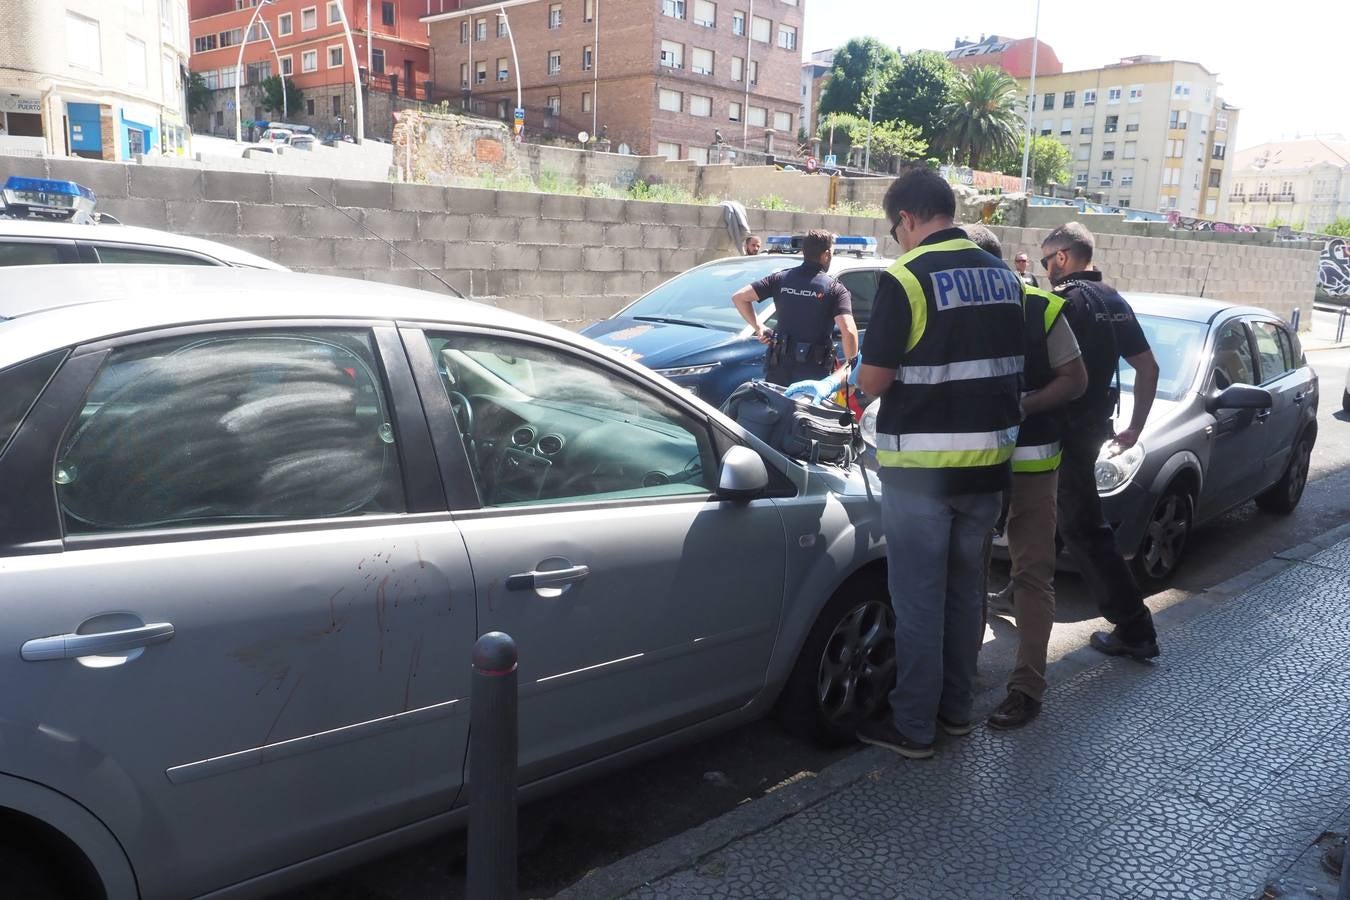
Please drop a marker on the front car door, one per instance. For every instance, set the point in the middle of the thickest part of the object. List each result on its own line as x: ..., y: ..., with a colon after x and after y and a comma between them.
x: 1290, y: 391
x: 263, y: 520
x: 1237, y: 436
x: 638, y: 601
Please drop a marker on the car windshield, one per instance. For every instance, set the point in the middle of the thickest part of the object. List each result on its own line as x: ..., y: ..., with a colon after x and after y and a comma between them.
x: 1176, y: 344
x: 703, y: 296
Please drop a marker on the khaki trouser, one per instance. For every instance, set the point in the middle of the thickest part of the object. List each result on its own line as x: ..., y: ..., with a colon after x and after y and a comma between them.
x: 1031, y: 546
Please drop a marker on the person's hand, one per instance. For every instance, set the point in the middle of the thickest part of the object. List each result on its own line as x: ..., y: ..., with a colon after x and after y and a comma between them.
x: 1127, y: 438
x: 764, y: 335
x: 812, y: 391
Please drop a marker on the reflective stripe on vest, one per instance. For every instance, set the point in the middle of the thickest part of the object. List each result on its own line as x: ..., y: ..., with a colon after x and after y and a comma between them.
x: 960, y: 371
x: 1038, y: 458
x: 944, y: 450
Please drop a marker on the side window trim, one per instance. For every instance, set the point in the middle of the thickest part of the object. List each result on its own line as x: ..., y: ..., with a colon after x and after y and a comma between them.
x: 96, y: 246
x: 67, y: 251
x: 1258, y: 359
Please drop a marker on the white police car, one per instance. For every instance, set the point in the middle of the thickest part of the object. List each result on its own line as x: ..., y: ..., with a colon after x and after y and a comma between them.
x: 44, y: 221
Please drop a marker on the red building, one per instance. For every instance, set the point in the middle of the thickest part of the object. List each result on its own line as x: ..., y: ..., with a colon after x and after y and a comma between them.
x: 1012, y: 55
x: 393, y: 54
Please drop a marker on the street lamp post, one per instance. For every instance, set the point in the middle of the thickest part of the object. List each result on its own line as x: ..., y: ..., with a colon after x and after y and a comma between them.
x: 239, y: 66
x: 749, y: 47
x: 871, y: 116
x: 1031, y: 99
x: 356, y: 73
x: 595, y: 71
x: 515, y: 61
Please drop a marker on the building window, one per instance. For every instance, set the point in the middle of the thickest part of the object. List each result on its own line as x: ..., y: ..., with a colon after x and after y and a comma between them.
x: 1084, y: 152
x: 337, y: 105
x: 256, y: 72
x: 1176, y: 119
x: 1176, y: 149
x: 1069, y: 98
x: 503, y: 70
x: 83, y: 48
x: 758, y: 116
x: 480, y: 73
x: 738, y: 23
x: 1220, y: 150
x: 782, y: 122
x: 204, y: 43
x: 335, y: 57
x: 1089, y: 98
x: 1112, y: 124
x: 377, y: 61
x: 555, y: 15
x: 705, y: 13
x: 1127, y: 180
x: 309, y: 18
x: 733, y: 111
x: 309, y: 107
x: 553, y: 105
x: 700, y: 106
x: 1087, y: 127
x: 588, y: 11
x: 1109, y: 151
x: 672, y: 54
x: 1066, y: 127
x: 464, y: 31
x: 309, y: 61
x: 287, y: 65
x: 787, y: 37
x: 1211, y: 205
x: 1215, y: 177
x: 737, y: 68
x: 503, y: 27
x: 671, y: 101
x: 554, y: 62
x: 1081, y: 179
x: 702, y: 61
x: 1221, y: 122
x: 1047, y: 126
x: 1048, y: 102
x: 673, y: 8
x: 587, y: 58
x: 334, y: 12
x: 669, y: 151
x: 480, y: 29
x: 1113, y: 95
x: 387, y: 16
x: 586, y: 101
x: 761, y: 29
x: 1132, y: 122
x: 1105, y: 178
x: 135, y: 62
x: 1136, y: 93
x: 285, y: 24
x: 1131, y: 148
x: 463, y: 74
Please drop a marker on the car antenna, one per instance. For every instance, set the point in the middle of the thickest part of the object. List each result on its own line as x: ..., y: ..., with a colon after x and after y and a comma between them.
x: 372, y: 233
x: 1205, y: 280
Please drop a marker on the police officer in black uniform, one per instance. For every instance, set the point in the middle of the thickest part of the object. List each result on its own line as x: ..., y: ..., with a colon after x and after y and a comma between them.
x: 809, y: 304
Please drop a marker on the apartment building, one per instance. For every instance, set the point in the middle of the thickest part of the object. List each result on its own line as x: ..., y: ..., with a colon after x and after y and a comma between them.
x: 308, y: 44
x: 1144, y: 132
x: 653, y: 76
x: 815, y: 72
x: 1303, y: 183
x: 93, y: 78
x: 1012, y: 55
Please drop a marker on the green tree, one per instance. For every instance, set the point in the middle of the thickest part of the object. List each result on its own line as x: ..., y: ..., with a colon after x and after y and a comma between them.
x: 1050, y: 161
x: 890, y: 140
x: 982, y: 116
x: 856, y: 64
x: 272, y: 100
x: 1339, y: 228
x: 920, y: 93
x: 198, y: 94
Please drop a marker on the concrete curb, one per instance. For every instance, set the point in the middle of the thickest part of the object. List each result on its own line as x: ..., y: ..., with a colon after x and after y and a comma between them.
x: 685, y: 850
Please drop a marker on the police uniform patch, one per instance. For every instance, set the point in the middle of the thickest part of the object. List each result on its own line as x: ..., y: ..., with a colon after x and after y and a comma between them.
x: 954, y: 288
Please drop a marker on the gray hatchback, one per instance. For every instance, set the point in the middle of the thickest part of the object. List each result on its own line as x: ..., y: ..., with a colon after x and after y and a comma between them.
x: 254, y: 522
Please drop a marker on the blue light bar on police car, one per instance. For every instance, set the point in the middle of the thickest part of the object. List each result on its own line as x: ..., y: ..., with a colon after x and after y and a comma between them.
x: 844, y: 243
x: 63, y: 199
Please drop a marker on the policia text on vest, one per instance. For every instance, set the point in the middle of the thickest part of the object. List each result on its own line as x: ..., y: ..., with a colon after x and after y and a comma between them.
x: 809, y: 303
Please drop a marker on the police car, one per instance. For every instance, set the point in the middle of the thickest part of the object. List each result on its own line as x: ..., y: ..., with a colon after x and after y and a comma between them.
x: 43, y: 221
x: 688, y: 330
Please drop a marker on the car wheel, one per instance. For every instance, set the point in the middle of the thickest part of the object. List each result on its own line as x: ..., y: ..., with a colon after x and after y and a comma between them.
x: 22, y: 875
x: 1169, y: 527
x: 846, y: 668
x: 1283, y: 496
x: 1345, y: 401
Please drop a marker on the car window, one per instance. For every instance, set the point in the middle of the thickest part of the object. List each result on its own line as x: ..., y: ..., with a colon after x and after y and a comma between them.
x: 231, y: 427
x: 1233, y: 357
x: 862, y: 284
x: 1293, y: 351
x: 144, y: 256
x: 703, y: 296
x: 28, y: 253
x: 19, y: 388
x: 1273, y: 356
x: 545, y: 426
x: 1177, y: 345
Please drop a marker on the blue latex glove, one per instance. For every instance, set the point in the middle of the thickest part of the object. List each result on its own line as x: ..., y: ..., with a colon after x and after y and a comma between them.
x: 813, y: 391
x: 853, y: 374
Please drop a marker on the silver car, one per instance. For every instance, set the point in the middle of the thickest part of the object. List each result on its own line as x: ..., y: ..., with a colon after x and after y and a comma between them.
x: 254, y: 522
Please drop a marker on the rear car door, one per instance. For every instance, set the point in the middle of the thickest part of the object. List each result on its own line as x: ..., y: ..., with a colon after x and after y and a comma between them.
x: 255, y: 512
x: 1238, y: 436
x: 640, y: 604
x: 1290, y: 390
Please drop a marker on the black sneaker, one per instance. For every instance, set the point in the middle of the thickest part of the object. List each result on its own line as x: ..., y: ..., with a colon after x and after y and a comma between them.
x: 884, y: 734
x: 956, y: 729
x: 1110, y: 644
x: 1016, y: 710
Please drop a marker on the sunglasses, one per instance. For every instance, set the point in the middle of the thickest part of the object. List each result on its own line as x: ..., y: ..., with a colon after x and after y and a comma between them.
x: 1045, y: 260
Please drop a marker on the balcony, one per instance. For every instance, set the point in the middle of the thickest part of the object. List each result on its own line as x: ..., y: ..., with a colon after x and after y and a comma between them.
x: 1284, y: 198
x: 1237, y: 198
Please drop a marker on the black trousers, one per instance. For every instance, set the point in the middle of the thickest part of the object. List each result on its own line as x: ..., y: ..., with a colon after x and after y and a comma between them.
x: 1091, y: 541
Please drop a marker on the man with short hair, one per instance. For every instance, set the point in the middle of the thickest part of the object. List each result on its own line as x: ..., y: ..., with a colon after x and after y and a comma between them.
x: 752, y: 245
x: 1107, y: 331
x: 1021, y: 263
x: 944, y: 352
x: 809, y: 304
x: 1053, y: 376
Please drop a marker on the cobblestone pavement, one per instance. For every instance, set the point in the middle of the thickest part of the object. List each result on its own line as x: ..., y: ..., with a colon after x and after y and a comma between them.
x: 1201, y: 776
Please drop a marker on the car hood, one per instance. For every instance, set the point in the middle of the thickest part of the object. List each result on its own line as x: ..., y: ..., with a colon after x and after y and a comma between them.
x: 1162, y: 412
x: 659, y: 344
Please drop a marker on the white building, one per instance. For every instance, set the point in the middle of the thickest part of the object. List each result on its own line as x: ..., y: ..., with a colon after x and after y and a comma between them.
x: 814, y: 72
x: 1305, y: 184
x: 95, y: 78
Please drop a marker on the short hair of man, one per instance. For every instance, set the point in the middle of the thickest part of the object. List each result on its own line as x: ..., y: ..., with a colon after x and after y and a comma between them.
x: 1073, y: 237
x: 985, y: 239
x: 816, y: 242
x: 922, y: 193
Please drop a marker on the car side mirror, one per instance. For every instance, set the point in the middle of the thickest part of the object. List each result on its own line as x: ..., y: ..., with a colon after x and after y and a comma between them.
x: 743, y: 477
x: 1238, y: 396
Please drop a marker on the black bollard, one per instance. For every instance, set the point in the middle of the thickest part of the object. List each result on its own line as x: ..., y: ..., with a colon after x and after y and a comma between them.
x: 492, y: 769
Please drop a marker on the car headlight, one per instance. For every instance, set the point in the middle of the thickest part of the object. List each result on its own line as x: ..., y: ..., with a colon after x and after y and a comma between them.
x: 868, y: 426
x: 687, y: 371
x: 1115, y: 471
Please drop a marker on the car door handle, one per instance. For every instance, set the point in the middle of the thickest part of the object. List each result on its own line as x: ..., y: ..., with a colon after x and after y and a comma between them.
x: 1300, y: 396
x: 73, y: 646
x: 1262, y: 415
x: 532, y: 581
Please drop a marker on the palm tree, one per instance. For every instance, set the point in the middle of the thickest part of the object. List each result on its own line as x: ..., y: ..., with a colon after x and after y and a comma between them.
x: 983, y: 117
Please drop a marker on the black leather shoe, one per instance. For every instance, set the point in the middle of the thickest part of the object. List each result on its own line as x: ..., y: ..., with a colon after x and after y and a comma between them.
x: 1016, y: 710
x: 884, y: 734
x: 955, y: 729
x: 1110, y: 644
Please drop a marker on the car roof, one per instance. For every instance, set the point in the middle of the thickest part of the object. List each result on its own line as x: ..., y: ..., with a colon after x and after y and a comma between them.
x: 1191, y: 309
x: 106, y: 232
x: 46, y: 307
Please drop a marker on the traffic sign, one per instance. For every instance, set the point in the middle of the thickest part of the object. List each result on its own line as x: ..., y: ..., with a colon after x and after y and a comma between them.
x: 520, y: 114
x: 831, y: 160
x: 812, y: 164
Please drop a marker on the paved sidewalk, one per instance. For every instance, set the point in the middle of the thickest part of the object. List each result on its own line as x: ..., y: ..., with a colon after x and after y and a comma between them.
x: 1204, y: 775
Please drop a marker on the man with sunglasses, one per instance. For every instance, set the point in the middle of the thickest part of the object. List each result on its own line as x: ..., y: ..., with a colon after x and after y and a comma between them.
x: 1107, y: 332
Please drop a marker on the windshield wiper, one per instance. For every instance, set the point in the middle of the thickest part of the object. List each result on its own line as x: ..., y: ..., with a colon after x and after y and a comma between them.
x: 671, y: 321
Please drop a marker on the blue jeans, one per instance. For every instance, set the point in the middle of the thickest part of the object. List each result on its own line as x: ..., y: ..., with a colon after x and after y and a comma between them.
x: 935, y: 546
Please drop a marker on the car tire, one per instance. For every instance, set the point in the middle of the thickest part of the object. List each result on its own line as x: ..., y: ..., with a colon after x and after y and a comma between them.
x: 1345, y: 401
x: 22, y: 875
x: 1282, y: 497
x: 1166, y: 535
x: 846, y: 668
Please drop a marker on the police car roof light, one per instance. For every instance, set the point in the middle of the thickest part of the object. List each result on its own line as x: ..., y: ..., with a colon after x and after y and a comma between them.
x: 48, y: 197
x: 845, y: 243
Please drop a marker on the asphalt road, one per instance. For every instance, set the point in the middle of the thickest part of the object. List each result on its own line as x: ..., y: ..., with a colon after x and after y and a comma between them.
x: 565, y: 836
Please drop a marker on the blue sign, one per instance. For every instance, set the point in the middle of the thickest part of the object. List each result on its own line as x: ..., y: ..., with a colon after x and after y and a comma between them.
x: 831, y: 159
x: 520, y: 114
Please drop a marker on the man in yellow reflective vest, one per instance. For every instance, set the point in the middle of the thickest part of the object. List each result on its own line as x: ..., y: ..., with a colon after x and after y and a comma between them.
x: 1053, y: 376
x: 944, y: 352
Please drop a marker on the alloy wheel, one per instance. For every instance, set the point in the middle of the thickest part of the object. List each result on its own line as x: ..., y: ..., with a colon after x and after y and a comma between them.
x: 1298, y: 471
x: 1165, y: 537
x: 857, y: 667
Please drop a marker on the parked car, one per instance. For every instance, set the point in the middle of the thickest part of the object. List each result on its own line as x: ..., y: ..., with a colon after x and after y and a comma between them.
x: 688, y: 330
x: 1235, y: 420
x: 301, y: 141
x: 254, y: 522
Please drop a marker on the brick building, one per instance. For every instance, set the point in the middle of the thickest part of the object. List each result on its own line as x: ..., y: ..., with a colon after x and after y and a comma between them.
x: 654, y: 76
x: 392, y: 53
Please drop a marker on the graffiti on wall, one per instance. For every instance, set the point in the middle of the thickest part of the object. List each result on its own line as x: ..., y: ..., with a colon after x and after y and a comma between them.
x: 1185, y: 223
x: 1333, y: 270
